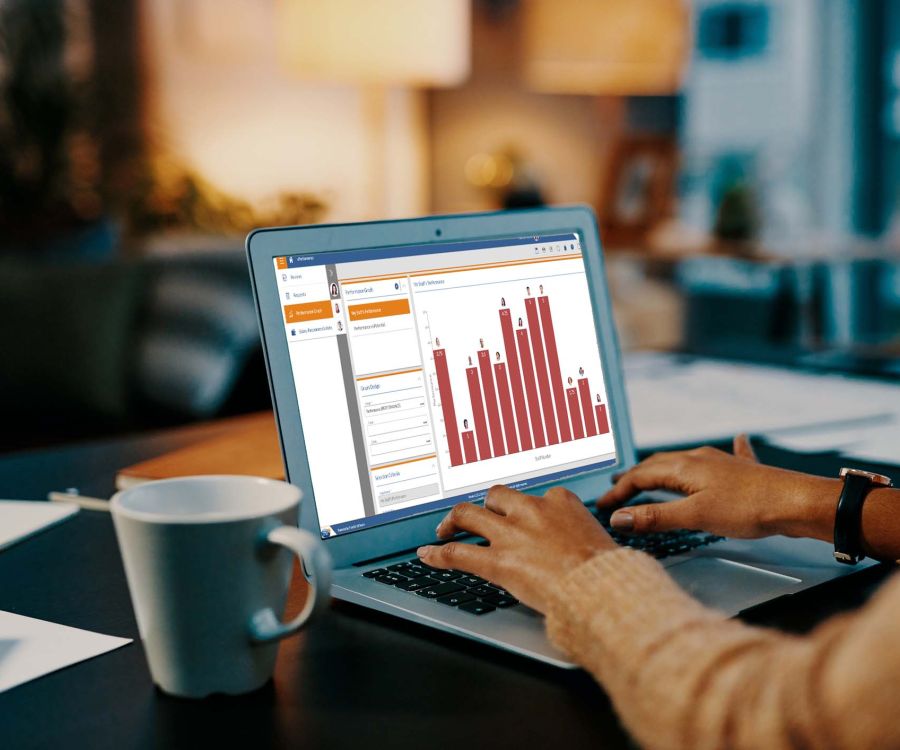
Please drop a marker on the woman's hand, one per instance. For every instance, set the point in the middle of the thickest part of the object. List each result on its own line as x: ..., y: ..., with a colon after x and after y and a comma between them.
x: 534, y: 541
x: 732, y: 495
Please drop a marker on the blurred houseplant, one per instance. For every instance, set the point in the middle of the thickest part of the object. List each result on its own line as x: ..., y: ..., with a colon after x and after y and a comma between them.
x: 49, y: 175
x: 76, y: 164
x: 171, y: 197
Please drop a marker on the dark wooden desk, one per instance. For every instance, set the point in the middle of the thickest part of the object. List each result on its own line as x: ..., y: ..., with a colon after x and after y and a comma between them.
x: 357, y: 679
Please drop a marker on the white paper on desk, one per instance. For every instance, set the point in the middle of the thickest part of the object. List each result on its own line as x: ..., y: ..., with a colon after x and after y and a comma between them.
x: 19, y: 519
x: 674, y: 401
x: 877, y: 441
x: 31, y: 648
x: 816, y: 441
x: 883, y: 447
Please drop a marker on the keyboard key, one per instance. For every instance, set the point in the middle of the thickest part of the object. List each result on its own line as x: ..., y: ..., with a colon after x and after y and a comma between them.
x: 482, y: 591
x: 477, y: 608
x: 375, y: 573
x: 391, y: 579
x: 399, y: 567
x: 472, y: 581
x: 448, y: 587
x: 454, y: 600
x: 501, y: 601
x: 416, y: 584
x: 499, y: 590
x: 446, y: 575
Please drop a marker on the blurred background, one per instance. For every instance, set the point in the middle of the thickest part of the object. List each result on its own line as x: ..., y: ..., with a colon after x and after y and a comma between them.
x: 743, y: 157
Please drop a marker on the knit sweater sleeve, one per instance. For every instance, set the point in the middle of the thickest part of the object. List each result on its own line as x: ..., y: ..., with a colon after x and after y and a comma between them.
x: 682, y: 676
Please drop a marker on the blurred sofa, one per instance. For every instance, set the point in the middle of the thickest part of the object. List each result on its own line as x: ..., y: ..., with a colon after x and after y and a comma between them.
x: 92, y: 349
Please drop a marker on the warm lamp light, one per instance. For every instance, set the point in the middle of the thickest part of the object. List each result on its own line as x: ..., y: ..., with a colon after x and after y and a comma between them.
x: 605, y: 47
x: 377, y: 44
x: 382, y: 42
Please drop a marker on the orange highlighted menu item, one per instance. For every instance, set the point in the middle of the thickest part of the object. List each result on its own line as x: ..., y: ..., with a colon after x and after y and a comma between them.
x: 304, y: 311
x: 384, y: 309
x: 281, y: 262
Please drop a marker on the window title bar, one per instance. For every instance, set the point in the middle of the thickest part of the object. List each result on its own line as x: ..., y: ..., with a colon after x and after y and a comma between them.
x: 401, y: 251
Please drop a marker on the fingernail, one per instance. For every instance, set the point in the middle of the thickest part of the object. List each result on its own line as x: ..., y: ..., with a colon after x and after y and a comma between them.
x: 424, y: 551
x: 622, y: 520
x: 439, y: 527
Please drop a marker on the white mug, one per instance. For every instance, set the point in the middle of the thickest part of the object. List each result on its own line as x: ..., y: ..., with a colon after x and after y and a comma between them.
x: 208, y: 563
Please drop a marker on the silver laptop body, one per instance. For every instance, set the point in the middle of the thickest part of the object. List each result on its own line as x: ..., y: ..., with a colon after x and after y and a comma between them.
x: 415, y: 363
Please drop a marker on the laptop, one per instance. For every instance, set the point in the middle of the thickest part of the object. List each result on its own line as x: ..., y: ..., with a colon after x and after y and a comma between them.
x: 414, y: 364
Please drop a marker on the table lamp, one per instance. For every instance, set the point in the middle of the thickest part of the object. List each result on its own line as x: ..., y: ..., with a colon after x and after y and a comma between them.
x: 378, y: 46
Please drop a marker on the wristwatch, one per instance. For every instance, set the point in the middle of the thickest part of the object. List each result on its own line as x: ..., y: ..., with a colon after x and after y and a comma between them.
x: 848, y: 518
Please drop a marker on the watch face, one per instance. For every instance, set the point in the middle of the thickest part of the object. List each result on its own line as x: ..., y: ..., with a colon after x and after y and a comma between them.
x: 871, y: 476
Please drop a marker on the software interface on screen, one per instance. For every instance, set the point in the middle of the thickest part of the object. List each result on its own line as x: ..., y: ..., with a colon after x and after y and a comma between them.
x: 426, y: 375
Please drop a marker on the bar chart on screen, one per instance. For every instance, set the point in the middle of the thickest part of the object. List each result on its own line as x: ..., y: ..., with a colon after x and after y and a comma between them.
x: 513, y: 369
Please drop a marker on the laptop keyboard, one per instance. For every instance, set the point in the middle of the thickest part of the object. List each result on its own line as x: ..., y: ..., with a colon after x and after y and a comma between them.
x: 454, y: 588
x: 477, y: 596
x: 666, y: 543
x: 661, y: 544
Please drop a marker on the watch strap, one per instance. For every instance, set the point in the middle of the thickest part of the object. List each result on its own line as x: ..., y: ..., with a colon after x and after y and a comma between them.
x: 848, y: 519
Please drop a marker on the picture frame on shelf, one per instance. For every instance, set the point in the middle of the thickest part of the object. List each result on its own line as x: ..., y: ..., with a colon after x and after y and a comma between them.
x: 639, y: 188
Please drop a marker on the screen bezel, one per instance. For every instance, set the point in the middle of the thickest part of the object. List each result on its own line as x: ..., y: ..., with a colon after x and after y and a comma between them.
x: 265, y: 244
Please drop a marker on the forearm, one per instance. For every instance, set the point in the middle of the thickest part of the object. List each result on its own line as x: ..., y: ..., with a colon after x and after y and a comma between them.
x: 813, y: 516
x: 683, y: 676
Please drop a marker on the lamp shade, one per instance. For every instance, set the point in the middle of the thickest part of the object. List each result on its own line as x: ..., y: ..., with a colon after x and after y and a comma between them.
x: 379, y: 42
x: 605, y: 47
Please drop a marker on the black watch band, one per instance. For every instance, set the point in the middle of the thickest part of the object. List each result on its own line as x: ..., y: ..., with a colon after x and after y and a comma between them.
x: 848, y: 518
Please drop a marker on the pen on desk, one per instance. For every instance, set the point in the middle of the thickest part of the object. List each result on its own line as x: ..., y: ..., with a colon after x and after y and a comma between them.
x: 83, y: 501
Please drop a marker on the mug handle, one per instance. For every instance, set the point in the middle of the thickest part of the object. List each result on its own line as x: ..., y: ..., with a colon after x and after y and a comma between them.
x: 315, y: 562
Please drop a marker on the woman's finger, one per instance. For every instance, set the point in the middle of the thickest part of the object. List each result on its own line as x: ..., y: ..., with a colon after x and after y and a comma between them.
x: 743, y: 448
x: 655, y: 473
x: 468, y: 517
x: 459, y: 556
x: 501, y: 499
x: 644, y: 519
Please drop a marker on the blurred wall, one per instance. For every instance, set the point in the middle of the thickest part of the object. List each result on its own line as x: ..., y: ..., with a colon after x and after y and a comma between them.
x: 220, y: 100
x: 565, y: 140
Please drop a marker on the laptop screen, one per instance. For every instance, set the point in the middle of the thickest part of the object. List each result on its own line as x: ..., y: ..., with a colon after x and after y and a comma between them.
x: 425, y: 375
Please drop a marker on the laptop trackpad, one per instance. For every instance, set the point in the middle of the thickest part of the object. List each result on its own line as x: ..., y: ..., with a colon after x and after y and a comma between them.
x: 728, y: 585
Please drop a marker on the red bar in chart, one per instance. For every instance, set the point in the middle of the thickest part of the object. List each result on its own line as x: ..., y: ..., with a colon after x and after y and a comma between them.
x: 506, y: 409
x: 515, y: 379
x: 540, y: 366
x: 584, y: 390
x: 575, y: 413
x: 468, y: 442
x: 534, y: 408
x: 602, y: 418
x: 543, y: 303
x: 481, y: 432
x: 443, y: 378
x: 490, y: 400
